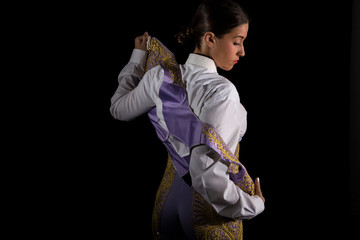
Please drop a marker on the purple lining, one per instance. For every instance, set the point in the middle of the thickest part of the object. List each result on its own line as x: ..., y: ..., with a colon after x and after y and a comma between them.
x: 181, y: 164
x: 178, y: 117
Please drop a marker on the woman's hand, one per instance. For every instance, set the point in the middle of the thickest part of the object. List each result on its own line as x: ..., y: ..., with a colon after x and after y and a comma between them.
x: 258, y: 189
x: 140, y: 41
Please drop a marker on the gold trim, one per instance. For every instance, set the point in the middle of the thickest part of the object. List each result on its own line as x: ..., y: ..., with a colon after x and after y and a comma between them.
x: 209, y: 225
x: 161, y: 55
x: 161, y: 196
x: 219, y: 143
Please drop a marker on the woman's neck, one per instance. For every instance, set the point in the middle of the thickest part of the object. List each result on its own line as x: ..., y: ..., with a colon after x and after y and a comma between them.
x: 202, y: 53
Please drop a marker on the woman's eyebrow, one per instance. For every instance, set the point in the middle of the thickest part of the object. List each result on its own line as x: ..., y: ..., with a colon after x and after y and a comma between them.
x: 239, y: 37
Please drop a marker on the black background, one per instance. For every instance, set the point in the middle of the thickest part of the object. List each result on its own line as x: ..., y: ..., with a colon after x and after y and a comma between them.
x: 294, y: 82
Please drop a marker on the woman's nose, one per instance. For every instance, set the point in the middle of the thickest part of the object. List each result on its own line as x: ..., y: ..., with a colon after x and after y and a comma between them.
x: 241, y: 53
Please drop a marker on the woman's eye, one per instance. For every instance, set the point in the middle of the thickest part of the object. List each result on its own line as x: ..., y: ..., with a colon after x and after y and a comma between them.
x: 237, y: 44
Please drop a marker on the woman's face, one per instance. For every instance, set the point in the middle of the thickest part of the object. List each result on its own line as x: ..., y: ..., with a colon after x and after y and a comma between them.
x: 228, y: 49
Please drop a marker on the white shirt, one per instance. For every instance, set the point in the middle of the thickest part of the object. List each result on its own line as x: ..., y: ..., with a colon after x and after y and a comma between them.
x: 214, y: 100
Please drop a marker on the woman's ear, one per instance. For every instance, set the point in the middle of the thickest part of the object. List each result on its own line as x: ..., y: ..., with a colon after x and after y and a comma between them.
x: 209, y: 39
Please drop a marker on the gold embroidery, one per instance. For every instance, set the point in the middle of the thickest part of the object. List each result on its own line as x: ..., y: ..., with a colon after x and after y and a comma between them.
x: 161, y: 195
x: 237, y: 151
x: 219, y: 143
x: 209, y: 225
x: 247, y: 184
x: 161, y: 55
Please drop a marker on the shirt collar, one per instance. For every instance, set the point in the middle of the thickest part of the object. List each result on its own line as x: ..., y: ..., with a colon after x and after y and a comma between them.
x: 202, y: 61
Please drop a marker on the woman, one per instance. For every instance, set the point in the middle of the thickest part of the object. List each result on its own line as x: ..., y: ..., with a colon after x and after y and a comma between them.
x: 205, y: 192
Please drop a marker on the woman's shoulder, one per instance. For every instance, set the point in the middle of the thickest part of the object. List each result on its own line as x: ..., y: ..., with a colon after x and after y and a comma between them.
x: 199, y: 75
x: 221, y: 88
x: 211, y: 85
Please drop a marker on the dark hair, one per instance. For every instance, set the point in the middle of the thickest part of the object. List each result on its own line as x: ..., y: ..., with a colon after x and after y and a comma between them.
x: 216, y: 16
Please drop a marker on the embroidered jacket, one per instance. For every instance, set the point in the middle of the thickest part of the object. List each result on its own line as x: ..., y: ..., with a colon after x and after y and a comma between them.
x: 214, y: 100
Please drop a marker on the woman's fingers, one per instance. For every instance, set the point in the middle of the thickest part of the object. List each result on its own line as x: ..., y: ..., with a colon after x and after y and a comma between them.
x: 140, y: 41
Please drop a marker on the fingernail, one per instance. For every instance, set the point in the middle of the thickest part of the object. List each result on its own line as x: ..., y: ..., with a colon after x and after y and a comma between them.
x: 258, y: 180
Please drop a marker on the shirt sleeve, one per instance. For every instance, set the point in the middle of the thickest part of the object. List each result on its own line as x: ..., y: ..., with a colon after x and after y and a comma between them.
x: 133, y: 95
x: 209, y: 174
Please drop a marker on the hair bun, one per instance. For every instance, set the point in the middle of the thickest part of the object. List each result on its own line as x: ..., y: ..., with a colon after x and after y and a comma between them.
x: 183, y: 36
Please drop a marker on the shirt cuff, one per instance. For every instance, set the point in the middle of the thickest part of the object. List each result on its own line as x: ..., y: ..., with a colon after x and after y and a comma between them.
x: 260, y: 206
x: 138, y: 56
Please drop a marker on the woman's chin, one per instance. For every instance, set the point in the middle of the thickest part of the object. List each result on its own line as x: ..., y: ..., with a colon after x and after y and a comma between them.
x: 226, y: 68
